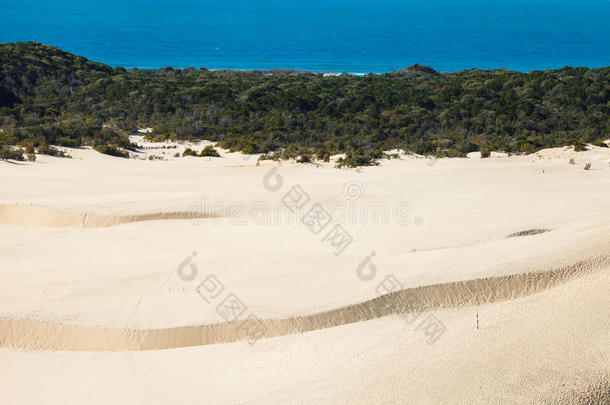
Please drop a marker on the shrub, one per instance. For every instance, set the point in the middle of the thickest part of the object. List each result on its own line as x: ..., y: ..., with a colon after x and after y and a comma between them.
x: 57, y: 153
x: 6, y: 153
x: 579, y: 146
x: 248, y: 150
x: 209, y: 151
x: 357, y: 158
x: 189, y: 152
x: 527, y: 148
x: 485, y: 152
x: 275, y: 156
x: 111, y: 150
x: 304, y: 159
x: 600, y: 144
x: 45, y: 149
x: 30, y: 153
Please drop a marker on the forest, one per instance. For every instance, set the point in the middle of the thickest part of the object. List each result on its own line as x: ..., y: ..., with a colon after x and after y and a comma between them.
x: 51, y: 98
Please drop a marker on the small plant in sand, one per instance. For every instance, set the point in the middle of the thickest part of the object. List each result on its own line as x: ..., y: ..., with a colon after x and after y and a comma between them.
x: 587, y: 166
x: 189, y: 152
x: 580, y: 146
x: 275, y: 156
x: 30, y: 153
x: 209, y: 151
x: 6, y: 153
x: 572, y: 161
x: 391, y: 155
x: 305, y: 158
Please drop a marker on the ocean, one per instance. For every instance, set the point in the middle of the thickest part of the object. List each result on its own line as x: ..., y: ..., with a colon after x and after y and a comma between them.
x: 355, y: 36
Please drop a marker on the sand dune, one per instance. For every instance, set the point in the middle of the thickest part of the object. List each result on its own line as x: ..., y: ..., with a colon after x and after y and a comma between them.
x: 27, y: 334
x: 39, y: 216
x: 519, y: 243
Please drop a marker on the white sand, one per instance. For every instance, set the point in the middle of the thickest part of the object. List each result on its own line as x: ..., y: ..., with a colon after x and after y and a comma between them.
x: 91, y: 246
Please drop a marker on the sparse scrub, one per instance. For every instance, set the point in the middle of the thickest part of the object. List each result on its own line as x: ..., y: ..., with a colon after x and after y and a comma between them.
x: 111, y: 150
x: 8, y: 153
x: 45, y: 149
x: 359, y: 158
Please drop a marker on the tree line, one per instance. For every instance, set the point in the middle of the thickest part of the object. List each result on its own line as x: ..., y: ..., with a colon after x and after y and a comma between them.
x: 51, y: 97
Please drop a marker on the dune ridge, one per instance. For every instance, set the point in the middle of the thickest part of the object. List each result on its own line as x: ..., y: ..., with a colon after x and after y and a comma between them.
x: 39, y: 216
x: 528, y: 232
x: 36, y: 335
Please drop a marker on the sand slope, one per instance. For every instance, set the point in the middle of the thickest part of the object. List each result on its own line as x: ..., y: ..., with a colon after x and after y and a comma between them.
x: 510, y: 254
x: 26, y: 334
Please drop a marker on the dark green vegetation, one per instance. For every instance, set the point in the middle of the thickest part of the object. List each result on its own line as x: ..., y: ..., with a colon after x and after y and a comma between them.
x: 111, y: 150
x: 209, y: 151
x: 7, y: 153
x: 48, y: 96
x: 189, y: 152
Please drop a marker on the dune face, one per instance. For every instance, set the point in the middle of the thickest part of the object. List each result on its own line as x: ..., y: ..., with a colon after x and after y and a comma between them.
x: 409, y: 303
x: 465, y: 281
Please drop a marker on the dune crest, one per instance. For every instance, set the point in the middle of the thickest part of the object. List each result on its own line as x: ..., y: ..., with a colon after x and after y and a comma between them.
x: 39, y: 216
x: 528, y: 232
x: 35, y: 335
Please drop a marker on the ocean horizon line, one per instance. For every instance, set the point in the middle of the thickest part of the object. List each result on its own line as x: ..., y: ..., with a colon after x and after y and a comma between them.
x: 327, y: 69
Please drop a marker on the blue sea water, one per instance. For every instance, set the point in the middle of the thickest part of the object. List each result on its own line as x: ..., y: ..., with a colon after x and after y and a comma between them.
x: 355, y: 36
